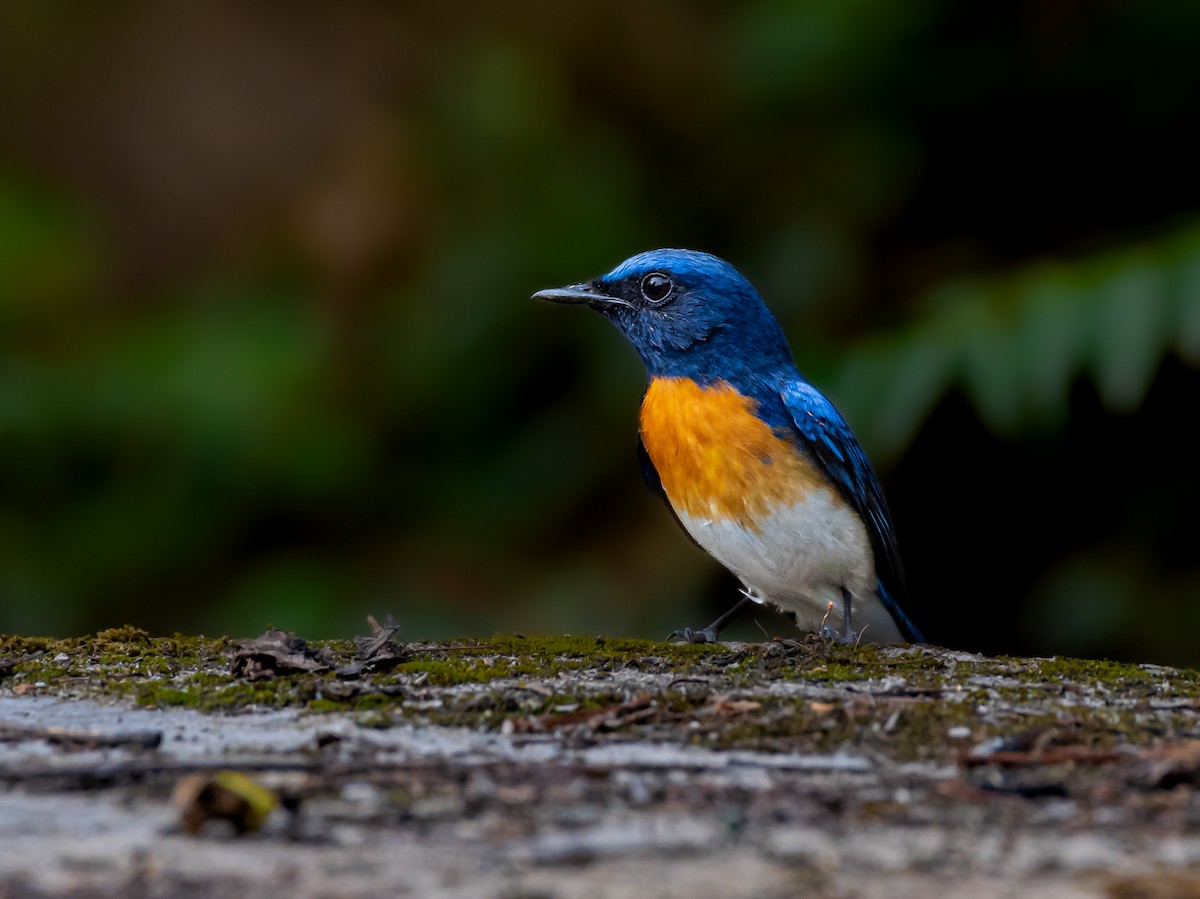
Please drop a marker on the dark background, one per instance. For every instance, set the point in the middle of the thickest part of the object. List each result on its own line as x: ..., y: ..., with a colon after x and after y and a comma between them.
x: 267, y: 357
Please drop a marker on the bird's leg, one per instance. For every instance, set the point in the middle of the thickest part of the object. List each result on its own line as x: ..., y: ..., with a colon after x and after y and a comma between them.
x: 847, y: 635
x: 710, y: 633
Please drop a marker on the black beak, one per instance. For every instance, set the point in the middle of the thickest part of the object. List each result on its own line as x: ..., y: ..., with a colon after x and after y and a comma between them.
x: 580, y: 295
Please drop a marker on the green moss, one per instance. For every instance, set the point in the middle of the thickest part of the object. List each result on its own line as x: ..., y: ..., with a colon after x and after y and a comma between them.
x: 121, y: 636
x: 444, y: 673
x: 1091, y: 671
x: 366, y: 701
x: 377, y: 720
x: 12, y: 645
x: 325, y: 705
x: 836, y: 672
x: 902, y: 702
x: 166, y: 696
x: 32, y: 672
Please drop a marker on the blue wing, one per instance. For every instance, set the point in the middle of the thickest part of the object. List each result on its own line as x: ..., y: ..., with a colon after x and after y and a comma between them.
x: 826, y: 434
x: 650, y: 474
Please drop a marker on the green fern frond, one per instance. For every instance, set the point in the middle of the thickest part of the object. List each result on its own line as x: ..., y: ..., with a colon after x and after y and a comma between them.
x: 1015, y: 344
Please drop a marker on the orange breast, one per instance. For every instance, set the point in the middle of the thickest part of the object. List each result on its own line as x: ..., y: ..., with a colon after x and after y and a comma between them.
x: 716, y: 458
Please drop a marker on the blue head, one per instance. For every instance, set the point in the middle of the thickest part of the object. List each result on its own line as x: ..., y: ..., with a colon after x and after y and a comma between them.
x: 687, y: 314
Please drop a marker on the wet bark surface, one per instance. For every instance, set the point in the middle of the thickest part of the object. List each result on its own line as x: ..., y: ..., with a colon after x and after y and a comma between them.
x: 573, y: 767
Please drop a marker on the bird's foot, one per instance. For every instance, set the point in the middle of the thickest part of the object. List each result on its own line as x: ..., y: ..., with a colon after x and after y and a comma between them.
x: 849, y: 637
x: 688, y: 635
x: 711, y: 633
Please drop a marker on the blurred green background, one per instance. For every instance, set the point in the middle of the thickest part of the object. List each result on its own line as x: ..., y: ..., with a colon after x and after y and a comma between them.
x: 267, y: 355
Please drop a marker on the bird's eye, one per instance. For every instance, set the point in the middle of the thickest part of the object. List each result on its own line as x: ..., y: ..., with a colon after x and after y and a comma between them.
x: 656, y: 287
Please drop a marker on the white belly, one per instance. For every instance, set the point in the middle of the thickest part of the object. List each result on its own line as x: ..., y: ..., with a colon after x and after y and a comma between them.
x: 799, y: 558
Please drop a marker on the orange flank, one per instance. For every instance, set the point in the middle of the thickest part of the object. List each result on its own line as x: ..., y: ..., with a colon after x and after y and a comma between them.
x: 717, y: 460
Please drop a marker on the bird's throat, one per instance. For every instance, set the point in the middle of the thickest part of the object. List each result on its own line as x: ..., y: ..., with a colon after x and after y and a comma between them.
x: 716, y: 458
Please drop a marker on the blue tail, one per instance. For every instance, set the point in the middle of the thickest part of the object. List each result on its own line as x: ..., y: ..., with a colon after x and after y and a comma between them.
x: 907, y: 629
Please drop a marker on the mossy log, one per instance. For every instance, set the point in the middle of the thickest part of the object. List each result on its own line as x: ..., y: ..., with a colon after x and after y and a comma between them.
x: 572, y: 766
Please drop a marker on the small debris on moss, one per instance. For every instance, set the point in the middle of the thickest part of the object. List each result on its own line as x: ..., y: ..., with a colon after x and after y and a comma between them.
x: 278, y: 652
x: 378, y: 652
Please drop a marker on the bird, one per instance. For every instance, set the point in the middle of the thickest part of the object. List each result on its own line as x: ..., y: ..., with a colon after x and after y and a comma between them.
x: 755, y: 464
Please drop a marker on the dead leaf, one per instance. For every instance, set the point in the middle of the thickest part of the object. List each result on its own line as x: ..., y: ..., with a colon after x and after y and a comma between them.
x: 378, y: 652
x: 222, y: 796
x: 278, y: 652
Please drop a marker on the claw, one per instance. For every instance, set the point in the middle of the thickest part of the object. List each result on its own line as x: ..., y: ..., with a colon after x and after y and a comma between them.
x: 849, y: 638
x: 688, y: 635
x: 712, y: 632
x: 848, y: 635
